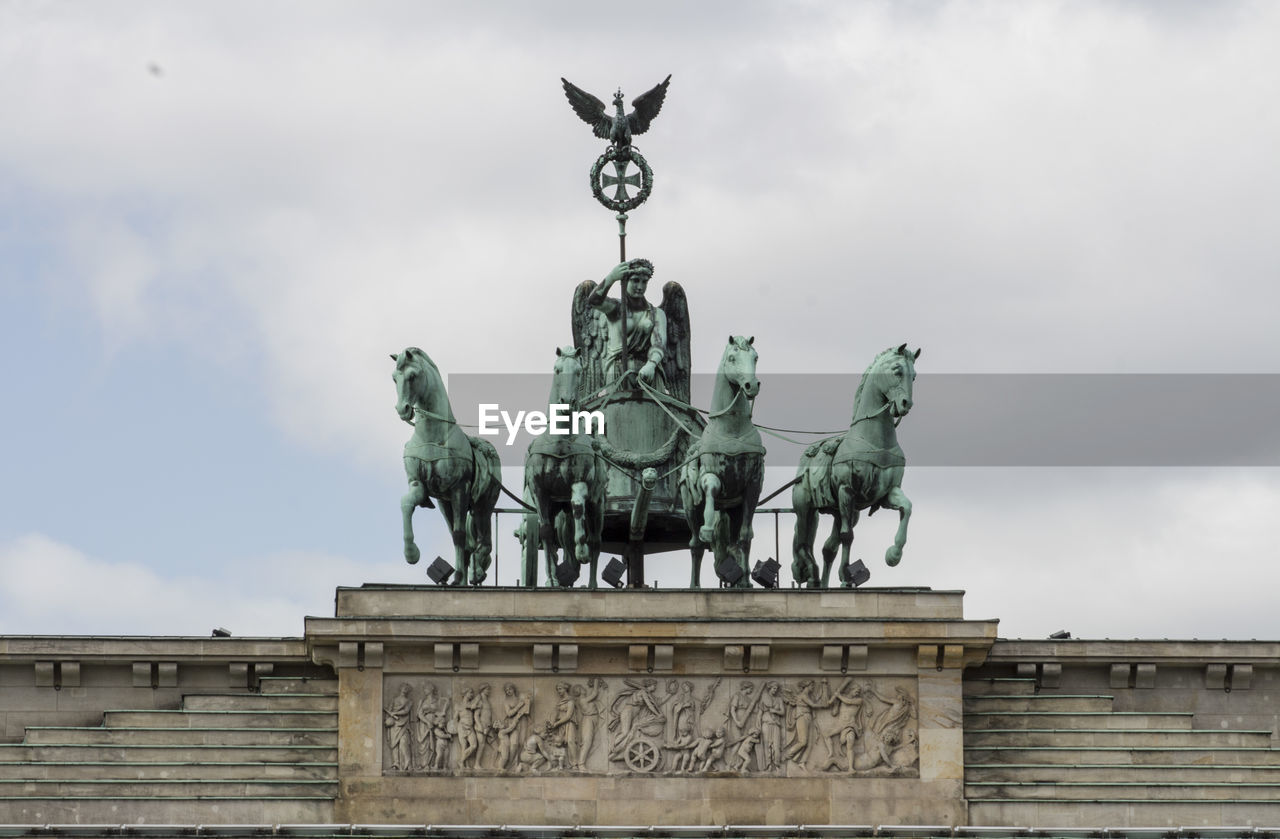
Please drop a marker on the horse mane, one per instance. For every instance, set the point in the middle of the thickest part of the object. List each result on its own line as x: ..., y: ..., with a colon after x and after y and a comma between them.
x: 857, y: 395
x: 415, y: 351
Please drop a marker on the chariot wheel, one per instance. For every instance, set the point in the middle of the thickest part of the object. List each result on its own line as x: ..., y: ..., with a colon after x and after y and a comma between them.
x: 641, y: 756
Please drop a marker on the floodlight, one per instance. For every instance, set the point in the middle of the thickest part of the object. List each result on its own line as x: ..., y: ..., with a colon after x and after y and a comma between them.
x: 855, y: 573
x: 728, y: 571
x: 439, y: 571
x: 612, y: 573
x: 766, y: 573
x: 566, y: 573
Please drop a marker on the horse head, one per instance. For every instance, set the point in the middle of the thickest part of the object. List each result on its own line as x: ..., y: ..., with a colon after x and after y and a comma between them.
x: 891, y: 377
x: 739, y: 365
x: 413, y: 381
x: 565, y: 376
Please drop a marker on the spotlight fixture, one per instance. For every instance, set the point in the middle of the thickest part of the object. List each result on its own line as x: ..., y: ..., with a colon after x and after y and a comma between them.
x: 612, y: 573
x: 728, y: 571
x: 566, y: 573
x: 766, y: 573
x: 855, y: 573
x: 439, y: 571
x: 1060, y: 635
x: 221, y: 632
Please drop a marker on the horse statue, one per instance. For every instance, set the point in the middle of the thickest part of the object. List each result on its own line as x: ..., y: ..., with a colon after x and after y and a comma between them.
x: 721, y: 480
x: 463, y: 473
x: 862, y: 469
x: 565, y: 479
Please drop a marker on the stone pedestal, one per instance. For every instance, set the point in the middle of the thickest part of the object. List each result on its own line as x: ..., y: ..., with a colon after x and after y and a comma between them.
x: 511, y: 706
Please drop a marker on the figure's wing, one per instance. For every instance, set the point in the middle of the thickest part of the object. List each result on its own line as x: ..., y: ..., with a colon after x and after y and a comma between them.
x: 646, y: 107
x: 675, y: 361
x: 591, y: 110
x: 589, y: 338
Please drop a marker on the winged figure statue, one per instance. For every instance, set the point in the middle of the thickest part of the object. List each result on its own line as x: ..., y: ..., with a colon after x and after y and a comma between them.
x: 619, y: 128
x: 653, y: 343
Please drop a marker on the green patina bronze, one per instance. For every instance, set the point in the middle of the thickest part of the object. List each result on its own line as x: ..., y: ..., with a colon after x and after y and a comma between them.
x: 564, y: 480
x: 618, y: 129
x: 721, y: 482
x: 441, y: 462
x: 860, y: 470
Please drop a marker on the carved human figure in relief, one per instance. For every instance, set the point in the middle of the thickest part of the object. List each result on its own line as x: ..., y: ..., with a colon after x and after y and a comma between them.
x: 396, y: 718
x: 590, y: 710
x: 708, y: 750
x: 565, y: 723
x: 464, y: 721
x: 630, y: 335
x: 810, y: 696
x: 773, y: 714
x: 515, y: 723
x: 638, y: 711
x: 424, y: 728
x: 848, y: 706
x: 485, y: 729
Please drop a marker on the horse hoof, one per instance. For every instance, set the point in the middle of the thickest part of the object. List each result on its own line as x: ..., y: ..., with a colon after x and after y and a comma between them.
x: 893, y: 556
x: 412, y: 554
x: 707, y: 535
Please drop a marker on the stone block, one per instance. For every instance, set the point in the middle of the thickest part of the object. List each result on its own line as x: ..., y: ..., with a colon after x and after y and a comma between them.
x: 237, y: 674
x: 468, y: 656
x: 638, y: 657
x: 142, y: 674
x: 733, y: 656
x: 1215, y: 676
x: 543, y: 655
x: 568, y: 659
x: 858, y: 654
x: 167, y: 674
x: 1241, y: 676
x: 941, y: 754
x: 70, y: 673
x: 372, y: 657
x: 348, y: 654
x: 952, y: 656
x: 927, y: 656
x: 1144, y: 676
x: 1120, y: 675
x: 832, y: 658
x: 1050, y: 674
x: 44, y: 674
x: 443, y: 656
x: 758, y: 657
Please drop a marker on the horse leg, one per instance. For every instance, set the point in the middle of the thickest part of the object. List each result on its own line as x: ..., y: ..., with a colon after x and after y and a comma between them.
x: 710, y: 483
x: 480, y: 541
x: 692, y: 510
x: 804, y: 569
x: 545, y: 535
x: 564, y: 537
x: 897, y: 500
x: 847, y: 502
x: 411, y: 501
x: 830, y: 546
x: 578, y: 507
x: 746, y: 515
x: 595, y: 525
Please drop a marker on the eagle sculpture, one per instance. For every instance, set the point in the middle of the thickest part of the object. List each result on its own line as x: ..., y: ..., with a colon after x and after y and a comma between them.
x: 617, y: 129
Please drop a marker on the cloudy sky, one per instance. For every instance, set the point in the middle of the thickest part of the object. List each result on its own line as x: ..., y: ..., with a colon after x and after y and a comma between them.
x: 217, y: 219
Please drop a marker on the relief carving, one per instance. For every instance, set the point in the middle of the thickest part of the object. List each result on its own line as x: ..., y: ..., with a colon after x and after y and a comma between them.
x: 761, y: 726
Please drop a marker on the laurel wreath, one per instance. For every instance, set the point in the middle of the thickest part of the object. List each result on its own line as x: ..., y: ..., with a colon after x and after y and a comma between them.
x: 646, y: 180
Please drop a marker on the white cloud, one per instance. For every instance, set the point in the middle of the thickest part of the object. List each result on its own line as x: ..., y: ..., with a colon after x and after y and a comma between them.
x: 53, y: 588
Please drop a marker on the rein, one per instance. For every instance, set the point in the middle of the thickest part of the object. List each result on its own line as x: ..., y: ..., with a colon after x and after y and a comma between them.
x: 429, y: 415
